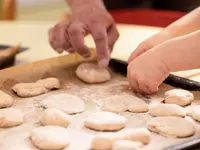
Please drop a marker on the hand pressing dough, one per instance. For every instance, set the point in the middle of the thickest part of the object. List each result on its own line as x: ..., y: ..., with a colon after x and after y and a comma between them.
x: 124, y: 102
x: 67, y: 103
x: 55, y: 117
x: 29, y: 89
x: 105, y: 141
x: 92, y: 73
x: 50, y: 137
x: 179, y: 97
x: 127, y: 145
x: 172, y: 127
x: 5, y: 100
x: 10, y: 117
x: 50, y: 83
x: 105, y: 121
x: 160, y: 110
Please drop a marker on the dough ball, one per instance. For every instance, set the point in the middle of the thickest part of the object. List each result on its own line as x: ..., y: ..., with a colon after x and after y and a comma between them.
x: 67, y: 103
x: 159, y: 110
x: 115, y: 104
x: 179, y: 97
x: 29, y: 89
x: 10, y: 117
x: 105, y: 121
x: 124, y: 102
x: 55, y: 117
x: 92, y: 73
x: 127, y: 145
x: 5, y: 100
x: 137, y: 105
x: 50, y: 83
x: 105, y: 141
x: 50, y: 137
x: 195, y: 112
x: 172, y: 127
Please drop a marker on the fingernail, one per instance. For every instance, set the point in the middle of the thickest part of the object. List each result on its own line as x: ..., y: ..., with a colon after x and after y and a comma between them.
x: 103, y: 63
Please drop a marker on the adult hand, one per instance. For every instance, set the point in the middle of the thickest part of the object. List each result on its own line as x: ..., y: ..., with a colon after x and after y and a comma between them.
x: 90, y: 17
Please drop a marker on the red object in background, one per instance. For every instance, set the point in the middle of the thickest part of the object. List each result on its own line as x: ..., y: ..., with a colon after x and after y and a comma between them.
x: 149, y: 17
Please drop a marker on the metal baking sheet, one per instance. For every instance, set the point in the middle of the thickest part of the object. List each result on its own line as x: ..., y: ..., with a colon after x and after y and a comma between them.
x: 93, y: 94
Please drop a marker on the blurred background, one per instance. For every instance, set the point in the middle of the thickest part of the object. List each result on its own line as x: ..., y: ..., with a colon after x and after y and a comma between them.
x: 54, y: 9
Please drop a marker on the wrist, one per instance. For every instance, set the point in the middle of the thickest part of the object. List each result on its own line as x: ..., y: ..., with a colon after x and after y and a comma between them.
x: 74, y: 4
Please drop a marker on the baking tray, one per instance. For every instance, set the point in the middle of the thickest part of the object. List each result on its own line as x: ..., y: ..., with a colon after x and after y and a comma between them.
x: 63, y: 67
x: 10, y: 60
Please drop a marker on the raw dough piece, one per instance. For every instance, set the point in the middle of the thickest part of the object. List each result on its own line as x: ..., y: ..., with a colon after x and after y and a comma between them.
x: 172, y: 127
x: 105, y: 121
x: 159, y: 110
x: 5, y: 100
x: 67, y: 103
x: 104, y: 141
x: 137, y: 105
x: 179, y: 97
x: 92, y: 73
x: 55, y: 117
x: 10, y: 117
x: 50, y: 83
x: 127, y: 145
x: 195, y: 112
x: 50, y: 137
x: 29, y: 89
x: 124, y: 102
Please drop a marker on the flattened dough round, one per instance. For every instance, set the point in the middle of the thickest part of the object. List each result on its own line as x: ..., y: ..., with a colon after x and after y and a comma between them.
x: 160, y: 110
x: 5, y: 100
x: 172, y: 127
x: 55, y: 117
x: 127, y: 145
x: 124, y: 102
x: 105, y: 141
x: 179, y: 97
x: 50, y: 83
x: 195, y: 112
x: 29, y: 89
x: 67, y: 103
x: 92, y: 73
x: 105, y: 121
x: 10, y: 117
x: 50, y: 137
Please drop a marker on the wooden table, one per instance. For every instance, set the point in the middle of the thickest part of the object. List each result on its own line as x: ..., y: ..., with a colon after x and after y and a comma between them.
x: 35, y: 35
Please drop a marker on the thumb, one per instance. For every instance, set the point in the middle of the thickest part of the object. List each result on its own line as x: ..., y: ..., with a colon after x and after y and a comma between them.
x: 138, y: 51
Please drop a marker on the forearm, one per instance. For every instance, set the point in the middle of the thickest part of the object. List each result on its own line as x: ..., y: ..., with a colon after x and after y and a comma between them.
x: 77, y: 3
x: 182, y: 53
x: 187, y: 24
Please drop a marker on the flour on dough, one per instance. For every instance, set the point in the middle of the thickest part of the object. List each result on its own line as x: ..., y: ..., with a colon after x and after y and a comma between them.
x: 105, y: 121
x: 159, y: 110
x: 105, y: 141
x: 127, y: 145
x: 29, y: 89
x: 50, y: 137
x: 5, y: 100
x: 124, y: 102
x: 92, y: 73
x: 172, y: 127
x: 179, y: 97
x: 67, y: 103
x: 50, y: 83
x: 10, y: 117
x: 195, y: 112
x: 55, y: 117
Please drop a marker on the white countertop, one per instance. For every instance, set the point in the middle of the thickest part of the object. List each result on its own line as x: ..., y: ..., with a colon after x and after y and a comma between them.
x: 35, y: 36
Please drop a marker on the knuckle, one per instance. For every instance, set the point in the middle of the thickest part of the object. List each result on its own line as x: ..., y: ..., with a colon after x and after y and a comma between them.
x: 99, y: 36
x: 73, y: 30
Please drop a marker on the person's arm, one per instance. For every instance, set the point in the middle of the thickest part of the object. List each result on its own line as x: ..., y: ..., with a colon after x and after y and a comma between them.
x: 185, y: 25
